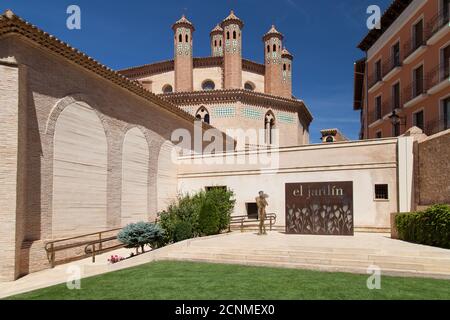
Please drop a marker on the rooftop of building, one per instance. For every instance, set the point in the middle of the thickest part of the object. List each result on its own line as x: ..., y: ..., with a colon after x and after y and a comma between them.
x: 387, y: 19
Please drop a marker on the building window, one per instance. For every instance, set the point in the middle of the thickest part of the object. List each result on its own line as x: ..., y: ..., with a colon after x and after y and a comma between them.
x: 378, y: 111
x: 167, y: 89
x: 378, y: 135
x: 396, y: 129
x: 378, y: 75
x: 249, y: 86
x: 445, y: 63
x: 396, y: 96
x: 418, y: 81
x: 396, y: 55
x: 187, y: 38
x: 212, y: 188
x: 446, y: 113
x: 208, y: 85
x: 203, y: 115
x: 381, y: 192
x: 268, y: 48
x: 180, y: 38
x: 252, y: 210
x: 418, y: 120
x: 445, y: 9
x: 269, y: 125
x: 274, y: 48
x: 228, y: 35
x: 418, y: 34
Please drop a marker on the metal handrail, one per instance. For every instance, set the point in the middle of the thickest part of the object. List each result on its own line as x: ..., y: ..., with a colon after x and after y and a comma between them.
x: 51, y: 249
x: 243, y: 220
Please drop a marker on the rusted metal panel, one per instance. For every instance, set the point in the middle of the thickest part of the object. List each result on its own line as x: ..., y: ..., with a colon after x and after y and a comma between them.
x: 321, y: 208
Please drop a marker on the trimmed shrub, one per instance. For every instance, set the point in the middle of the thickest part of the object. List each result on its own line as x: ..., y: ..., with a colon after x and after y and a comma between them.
x: 209, y: 219
x: 140, y: 234
x: 430, y: 227
x: 187, y: 209
x: 182, y: 231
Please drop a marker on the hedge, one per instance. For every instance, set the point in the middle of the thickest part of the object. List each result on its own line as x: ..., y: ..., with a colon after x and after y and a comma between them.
x: 430, y: 227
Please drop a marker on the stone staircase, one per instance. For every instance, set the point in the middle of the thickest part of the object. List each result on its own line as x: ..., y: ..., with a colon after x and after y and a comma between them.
x: 408, y: 260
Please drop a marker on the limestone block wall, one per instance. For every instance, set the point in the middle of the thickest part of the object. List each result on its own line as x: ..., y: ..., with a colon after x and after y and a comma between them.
x: 214, y: 74
x: 158, y: 81
x: 247, y: 172
x: 433, y: 170
x: 256, y: 79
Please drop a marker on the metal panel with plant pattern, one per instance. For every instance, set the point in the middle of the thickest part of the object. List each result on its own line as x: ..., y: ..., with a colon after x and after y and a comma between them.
x: 321, y: 208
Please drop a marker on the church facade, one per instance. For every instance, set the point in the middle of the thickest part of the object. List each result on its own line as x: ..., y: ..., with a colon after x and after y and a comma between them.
x: 228, y: 91
x: 85, y: 148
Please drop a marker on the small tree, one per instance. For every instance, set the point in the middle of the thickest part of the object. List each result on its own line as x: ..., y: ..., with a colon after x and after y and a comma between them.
x: 209, y: 219
x: 139, y: 234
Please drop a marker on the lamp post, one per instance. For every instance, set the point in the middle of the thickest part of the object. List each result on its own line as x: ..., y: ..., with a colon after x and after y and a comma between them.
x: 396, y: 121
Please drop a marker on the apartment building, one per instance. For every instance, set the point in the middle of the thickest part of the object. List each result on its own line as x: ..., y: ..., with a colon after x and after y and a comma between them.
x: 403, y: 81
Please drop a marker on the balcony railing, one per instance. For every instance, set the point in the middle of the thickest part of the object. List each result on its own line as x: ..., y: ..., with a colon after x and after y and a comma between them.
x: 439, y: 21
x: 438, y: 74
x: 391, y: 64
x: 414, y: 89
x: 374, y: 78
x: 412, y: 45
x: 436, y: 126
x: 386, y: 108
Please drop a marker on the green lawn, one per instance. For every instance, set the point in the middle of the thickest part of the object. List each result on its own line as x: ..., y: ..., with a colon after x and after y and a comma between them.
x: 180, y: 280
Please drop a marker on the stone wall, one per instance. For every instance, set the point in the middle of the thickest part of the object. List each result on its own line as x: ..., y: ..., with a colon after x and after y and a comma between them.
x: 433, y: 170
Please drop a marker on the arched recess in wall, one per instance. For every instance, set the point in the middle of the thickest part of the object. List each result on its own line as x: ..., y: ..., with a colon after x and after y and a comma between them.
x: 135, y: 161
x: 80, y: 161
x: 167, y: 176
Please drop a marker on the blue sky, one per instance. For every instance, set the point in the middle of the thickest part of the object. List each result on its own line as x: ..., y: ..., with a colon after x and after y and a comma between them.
x: 321, y: 34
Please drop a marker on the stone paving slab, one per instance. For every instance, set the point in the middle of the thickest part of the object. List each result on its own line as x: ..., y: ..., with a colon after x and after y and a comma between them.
x: 261, y: 250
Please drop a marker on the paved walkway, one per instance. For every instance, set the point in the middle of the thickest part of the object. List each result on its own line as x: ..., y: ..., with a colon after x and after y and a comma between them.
x: 343, y: 254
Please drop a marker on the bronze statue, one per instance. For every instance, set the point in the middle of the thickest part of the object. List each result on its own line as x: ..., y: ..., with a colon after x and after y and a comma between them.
x: 261, y: 202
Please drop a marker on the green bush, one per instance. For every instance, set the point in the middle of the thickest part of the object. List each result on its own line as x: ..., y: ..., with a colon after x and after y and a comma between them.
x: 139, y: 234
x: 209, y: 219
x: 182, y: 231
x: 429, y: 227
x: 187, y: 211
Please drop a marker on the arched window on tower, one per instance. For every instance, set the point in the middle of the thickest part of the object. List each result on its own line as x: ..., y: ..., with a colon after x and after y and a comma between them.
x: 274, y: 48
x: 284, y: 67
x: 203, y: 115
x: 180, y: 38
x: 269, y: 127
x: 208, y: 85
x: 167, y: 88
x: 228, y: 35
x: 249, y: 86
x: 187, y: 38
x: 268, y: 48
x: 215, y: 43
x: 234, y: 35
x: 220, y: 43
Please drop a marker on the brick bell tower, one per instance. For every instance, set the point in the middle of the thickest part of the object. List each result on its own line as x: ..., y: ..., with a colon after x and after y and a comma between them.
x: 183, y: 55
x: 287, y: 58
x: 216, y: 36
x: 273, y: 43
x: 232, y: 34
